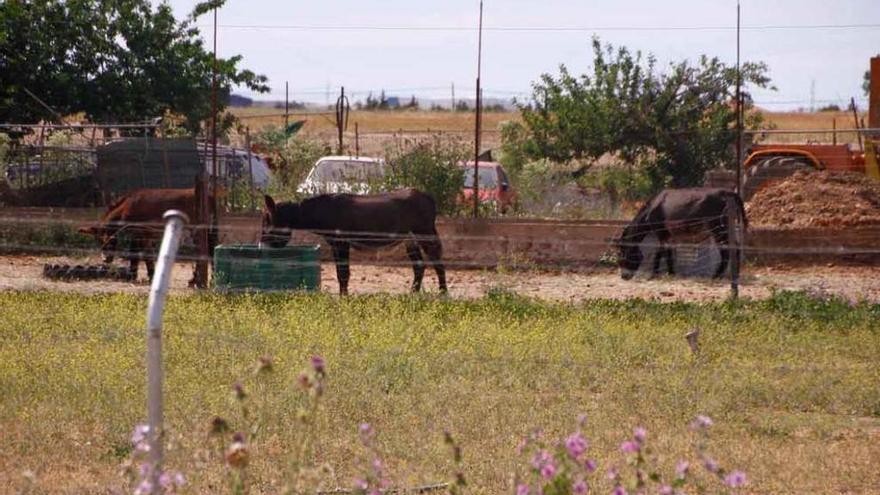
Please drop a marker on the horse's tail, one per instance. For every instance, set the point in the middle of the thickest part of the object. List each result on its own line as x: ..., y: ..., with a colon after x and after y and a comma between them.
x: 741, y: 207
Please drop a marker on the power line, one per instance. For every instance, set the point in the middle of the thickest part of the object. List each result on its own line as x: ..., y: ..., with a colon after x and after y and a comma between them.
x: 771, y: 27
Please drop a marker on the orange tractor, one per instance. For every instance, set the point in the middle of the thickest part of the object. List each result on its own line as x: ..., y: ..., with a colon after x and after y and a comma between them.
x: 767, y: 163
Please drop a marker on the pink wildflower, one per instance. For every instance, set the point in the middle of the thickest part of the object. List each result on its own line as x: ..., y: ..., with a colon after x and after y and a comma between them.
x: 576, y: 445
x: 619, y: 490
x: 630, y: 447
x: 665, y: 490
x: 522, y: 489
x: 140, y: 433
x: 590, y: 465
x: 702, y: 422
x: 318, y: 364
x: 639, y: 434
x: 365, y: 431
x: 145, y: 487
x: 735, y: 479
x: 710, y: 465
x: 681, y: 469
x: 541, y: 458
x: 613, y: 474
x: 579, y: 487
x: 548, y: 470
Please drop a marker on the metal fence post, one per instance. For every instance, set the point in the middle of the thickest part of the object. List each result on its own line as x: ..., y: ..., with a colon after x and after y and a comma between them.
x: 174, y: 221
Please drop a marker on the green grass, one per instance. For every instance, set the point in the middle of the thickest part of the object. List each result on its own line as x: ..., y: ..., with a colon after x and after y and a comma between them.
x: 791, y: 382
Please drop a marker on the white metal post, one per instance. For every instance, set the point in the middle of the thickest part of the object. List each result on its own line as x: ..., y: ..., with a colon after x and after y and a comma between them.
x: 174, y: 221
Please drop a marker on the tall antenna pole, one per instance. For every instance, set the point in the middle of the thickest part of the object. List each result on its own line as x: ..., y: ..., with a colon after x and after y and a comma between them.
x: 477, y: 117
x: 734, y: 263
x: 286, y: 106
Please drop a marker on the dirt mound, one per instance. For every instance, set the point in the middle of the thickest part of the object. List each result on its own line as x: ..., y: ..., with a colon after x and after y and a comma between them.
x: 817, y: 199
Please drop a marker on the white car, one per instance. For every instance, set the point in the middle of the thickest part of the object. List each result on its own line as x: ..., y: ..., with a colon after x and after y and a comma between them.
x: 343, y: 174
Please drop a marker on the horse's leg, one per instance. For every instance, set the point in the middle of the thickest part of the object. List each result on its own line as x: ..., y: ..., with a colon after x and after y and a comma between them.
x: 133, y: 261
x: 434, y: 251
x: 721, y: 237
x: 659, y: 251
x: 670, y: 261
x: 341, y: 257
x: 415, y: 255
x: 150, y: 253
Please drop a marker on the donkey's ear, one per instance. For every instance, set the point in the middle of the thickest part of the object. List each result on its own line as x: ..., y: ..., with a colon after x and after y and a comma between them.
x: 269, y: 202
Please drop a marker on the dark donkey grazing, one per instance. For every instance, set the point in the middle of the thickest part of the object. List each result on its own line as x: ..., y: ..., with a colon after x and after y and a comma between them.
x: 137, y: 216
x: 684, y: 216
x: 364, y: 222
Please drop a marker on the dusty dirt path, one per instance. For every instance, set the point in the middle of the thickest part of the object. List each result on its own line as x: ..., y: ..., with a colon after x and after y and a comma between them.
x: 852, y: 282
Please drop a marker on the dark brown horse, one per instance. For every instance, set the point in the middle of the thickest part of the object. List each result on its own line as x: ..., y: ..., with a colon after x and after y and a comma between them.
x: 682, y: 216
x: 364, y: 222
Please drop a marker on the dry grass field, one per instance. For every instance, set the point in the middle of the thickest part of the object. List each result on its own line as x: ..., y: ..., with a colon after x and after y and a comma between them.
x: 462, y: 123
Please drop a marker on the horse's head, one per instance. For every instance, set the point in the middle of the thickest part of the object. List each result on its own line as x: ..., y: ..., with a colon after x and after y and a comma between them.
x: 629, y: 257
x: 278, y: 222
x: 104, y: 236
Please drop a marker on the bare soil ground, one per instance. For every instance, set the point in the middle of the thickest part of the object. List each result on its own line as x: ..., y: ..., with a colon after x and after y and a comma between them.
x: 852, y: 282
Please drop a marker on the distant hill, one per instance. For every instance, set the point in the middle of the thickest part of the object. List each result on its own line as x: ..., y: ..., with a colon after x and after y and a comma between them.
x: 239, y: 101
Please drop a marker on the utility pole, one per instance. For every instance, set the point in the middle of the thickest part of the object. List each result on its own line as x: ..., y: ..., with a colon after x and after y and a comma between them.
x: 453, y: 96
x: 737, y: 230
x: 477, y: 119
x: 286, y: 106
x: 812, y: 95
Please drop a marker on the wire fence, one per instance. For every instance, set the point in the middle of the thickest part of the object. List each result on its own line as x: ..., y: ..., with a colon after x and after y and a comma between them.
x: 557, y: 261
x: 66, y: 170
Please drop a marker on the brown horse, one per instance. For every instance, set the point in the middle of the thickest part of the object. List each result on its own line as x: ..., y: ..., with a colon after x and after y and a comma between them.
x: 364, y: 222
x: 138, y: 217
x: 682, y: 215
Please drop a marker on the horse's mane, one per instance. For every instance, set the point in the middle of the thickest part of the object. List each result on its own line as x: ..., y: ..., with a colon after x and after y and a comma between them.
x: 286, y: 210
x: 637, y: 220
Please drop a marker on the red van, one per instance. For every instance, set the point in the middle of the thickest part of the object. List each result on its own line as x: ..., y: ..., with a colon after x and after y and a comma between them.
x: 494, y: 185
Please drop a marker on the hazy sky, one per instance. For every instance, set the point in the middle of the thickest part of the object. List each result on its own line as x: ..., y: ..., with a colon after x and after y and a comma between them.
x: 288, y: 41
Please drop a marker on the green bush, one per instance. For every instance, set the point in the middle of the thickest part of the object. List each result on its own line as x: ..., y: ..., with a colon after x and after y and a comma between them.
x: 293, y: 157
x: 621, y: 183
x: 431, y: 166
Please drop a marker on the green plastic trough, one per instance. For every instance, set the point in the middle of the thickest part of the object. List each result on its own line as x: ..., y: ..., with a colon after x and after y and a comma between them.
x: 250, y: 267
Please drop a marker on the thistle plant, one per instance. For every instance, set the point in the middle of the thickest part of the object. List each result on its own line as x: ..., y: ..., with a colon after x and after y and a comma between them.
x: 556, y: 468
x: 371, y: 480
x: 563, y: 467
x: 456, y: 487
x: 236, y: 451
x: 140, y: 470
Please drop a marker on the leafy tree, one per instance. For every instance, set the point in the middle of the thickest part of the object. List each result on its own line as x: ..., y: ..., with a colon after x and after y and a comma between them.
x: 866, y: 81
x: 113, y: 61
x: 678, y: 123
